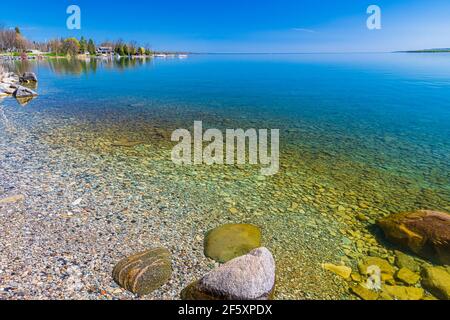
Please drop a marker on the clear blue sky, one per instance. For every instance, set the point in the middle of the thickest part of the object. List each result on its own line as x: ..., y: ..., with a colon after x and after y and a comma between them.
x: 242, y: 26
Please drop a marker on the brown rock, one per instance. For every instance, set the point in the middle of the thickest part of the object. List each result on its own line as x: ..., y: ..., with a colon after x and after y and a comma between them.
x: 144, y: 272
x: 426, y: 233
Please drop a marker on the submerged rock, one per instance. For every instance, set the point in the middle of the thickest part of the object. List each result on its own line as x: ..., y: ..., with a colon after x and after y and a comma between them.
x: 404, y: 293
x: 144, y: 272
x: 364, y: 293
x: 342, y: 271
x: 426, y: 233
x: 404, y: 261
x: 250, y: 277
x: 407, y: 276
x: 232, y: 240
x: 437, y: 281
x: 384, y: 265
x: 126, y: 143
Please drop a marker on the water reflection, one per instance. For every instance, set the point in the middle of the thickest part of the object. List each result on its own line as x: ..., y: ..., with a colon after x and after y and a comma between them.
x: 86, y: 66
x: 67, y: 66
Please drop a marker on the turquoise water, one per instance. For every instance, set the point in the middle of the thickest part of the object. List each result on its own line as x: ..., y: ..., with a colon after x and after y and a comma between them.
x: 361, y: 134
x: 387, y: 110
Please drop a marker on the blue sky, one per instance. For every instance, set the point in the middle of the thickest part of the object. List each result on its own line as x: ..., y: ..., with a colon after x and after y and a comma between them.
x: 242, y: 26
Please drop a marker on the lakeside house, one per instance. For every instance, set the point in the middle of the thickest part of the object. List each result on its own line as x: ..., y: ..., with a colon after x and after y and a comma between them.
x: 105, y: 50
x: 36, y: 52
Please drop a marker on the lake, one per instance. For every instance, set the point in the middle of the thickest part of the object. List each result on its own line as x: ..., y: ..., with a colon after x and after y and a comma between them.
x: 362, y: 136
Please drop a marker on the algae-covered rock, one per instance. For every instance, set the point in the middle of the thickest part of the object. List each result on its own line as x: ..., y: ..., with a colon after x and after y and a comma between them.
x: 404, y: 293
x: 403, y: 260
x: 249, y: 277
x: 437, y: 281
x: 144, y: 272
x: 364, y: 293
x: 407, y: 276
x: 342, y: 271
x: 384, y: 265
x: 232, y: 240
x: 426, y: 233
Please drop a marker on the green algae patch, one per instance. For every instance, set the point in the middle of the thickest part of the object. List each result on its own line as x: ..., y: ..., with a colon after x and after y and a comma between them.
x: 231, y: 241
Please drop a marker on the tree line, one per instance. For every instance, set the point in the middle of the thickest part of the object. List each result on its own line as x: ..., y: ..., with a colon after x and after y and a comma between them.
x: 12, y: 40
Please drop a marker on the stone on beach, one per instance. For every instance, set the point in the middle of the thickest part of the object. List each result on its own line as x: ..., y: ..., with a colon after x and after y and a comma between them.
x: 6, y: 89
x: 426, y: 233
x: 249, y: 277
x: 144, y: 272
x: 23, y: 92
x: 28, y: 77
x: 231, y: 240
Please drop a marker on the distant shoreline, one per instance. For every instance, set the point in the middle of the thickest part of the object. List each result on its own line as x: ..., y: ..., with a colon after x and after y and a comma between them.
x: 426, y: 51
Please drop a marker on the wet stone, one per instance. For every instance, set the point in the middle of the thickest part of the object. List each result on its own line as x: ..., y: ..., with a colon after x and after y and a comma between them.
x: 232, y: 240
x: 144, y: 272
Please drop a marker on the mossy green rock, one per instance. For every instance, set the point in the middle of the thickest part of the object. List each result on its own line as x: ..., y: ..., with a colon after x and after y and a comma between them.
x: 404, y: 293
x: 402, y: 260
x: 437, y: 281
x: 231, y: 241
x: 407, y: 276
x: 384, y: 265
x: 364, y: 293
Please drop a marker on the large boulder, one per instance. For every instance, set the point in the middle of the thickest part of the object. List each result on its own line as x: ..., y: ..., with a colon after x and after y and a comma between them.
x: 249, y: 277
x: 437, y: 281
x: 231, y: 240
x: 144, y: 272
x: 23, y: 92
x: 426, y: 233
x: 28, y: 77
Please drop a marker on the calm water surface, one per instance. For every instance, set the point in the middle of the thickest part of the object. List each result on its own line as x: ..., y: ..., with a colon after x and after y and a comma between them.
x: 362, y: 136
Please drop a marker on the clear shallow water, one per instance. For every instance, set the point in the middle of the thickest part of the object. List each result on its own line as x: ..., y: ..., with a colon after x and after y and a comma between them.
x: 361, y: 135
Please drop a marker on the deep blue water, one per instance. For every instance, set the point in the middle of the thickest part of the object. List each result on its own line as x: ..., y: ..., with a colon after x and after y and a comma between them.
x: 388, y: 111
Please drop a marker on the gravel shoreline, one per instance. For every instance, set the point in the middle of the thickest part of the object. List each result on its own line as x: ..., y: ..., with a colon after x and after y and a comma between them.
x: 56, y: 246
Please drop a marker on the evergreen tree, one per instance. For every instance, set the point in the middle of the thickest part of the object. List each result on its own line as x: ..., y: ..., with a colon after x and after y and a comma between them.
x: 83, y: 45
x: 91, y: 47
x: 121, y: 51
x: 125, y: 50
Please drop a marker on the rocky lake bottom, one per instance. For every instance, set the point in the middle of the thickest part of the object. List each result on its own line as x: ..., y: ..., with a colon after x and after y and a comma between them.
x: 93, y: 183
